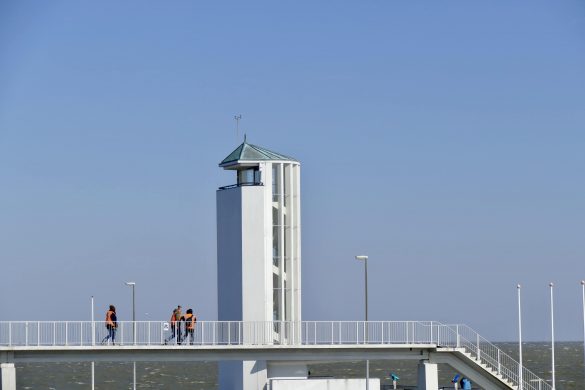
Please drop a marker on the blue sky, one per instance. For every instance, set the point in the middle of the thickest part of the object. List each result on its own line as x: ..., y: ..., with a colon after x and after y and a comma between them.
x: 444, y: 139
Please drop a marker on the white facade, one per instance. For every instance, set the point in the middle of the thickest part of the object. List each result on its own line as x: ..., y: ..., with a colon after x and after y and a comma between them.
x: 323, y: 384
x: 258, y: 253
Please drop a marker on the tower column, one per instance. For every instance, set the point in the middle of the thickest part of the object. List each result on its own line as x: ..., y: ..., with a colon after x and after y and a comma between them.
x: 8, y: 373
x: 428, y: 376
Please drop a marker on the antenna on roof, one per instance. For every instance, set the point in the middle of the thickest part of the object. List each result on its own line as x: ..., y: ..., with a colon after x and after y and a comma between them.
x: 237, y: 118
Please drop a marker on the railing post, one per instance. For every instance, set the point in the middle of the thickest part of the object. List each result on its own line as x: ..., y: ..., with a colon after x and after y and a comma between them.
x: 458, y: 341
x: 431, y: 341
x: 382, y: 336
x: 478, y: 351
x: 38, y: 332
x: 121, y: 334
x: 213, y: 335
x: 80, y: 333
x: 499, y: 366
x: 202, y: 333
x: 331, y: 332
x: 54, y: 333
x: 339, y: 325
x: 10, y: 333
x: 92, y: 332
x: 66, y: 333
x: 407, y: 329
x: 162, y: 333
x: 148, y: 324
x: 413, y: 332
x: 26, y: 333
x: 315, y: 329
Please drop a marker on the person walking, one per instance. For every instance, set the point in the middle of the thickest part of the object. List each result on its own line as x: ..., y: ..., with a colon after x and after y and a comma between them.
x: 111, y: 325
x: 173, y: 322
x: 190, y: 321
x: 178, y: 316
x: 175, y: 317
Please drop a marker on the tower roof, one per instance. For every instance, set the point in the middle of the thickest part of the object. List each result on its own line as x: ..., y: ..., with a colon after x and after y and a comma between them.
x: 248, y: 152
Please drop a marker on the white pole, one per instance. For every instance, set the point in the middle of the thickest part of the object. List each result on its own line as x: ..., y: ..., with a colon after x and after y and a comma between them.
x: 365, y: 258
x: 520, y: 379
x: 92, y: 343
x: 552, y: 330
x: 583, y: 292
x: 133, y: 285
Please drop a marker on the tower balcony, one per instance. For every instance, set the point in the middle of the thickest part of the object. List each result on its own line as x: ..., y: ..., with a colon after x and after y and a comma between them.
x: 242, y: 184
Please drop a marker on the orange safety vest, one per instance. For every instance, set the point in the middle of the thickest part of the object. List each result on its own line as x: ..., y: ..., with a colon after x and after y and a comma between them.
x: 173, y: 319
x: 191, y: 319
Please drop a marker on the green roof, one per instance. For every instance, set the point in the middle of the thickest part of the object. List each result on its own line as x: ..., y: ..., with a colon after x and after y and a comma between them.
x: 249, y: 152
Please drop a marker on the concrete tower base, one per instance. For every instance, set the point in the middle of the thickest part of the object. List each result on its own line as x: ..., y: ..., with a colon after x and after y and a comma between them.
x: 8, y: 373
x: 428, y: 376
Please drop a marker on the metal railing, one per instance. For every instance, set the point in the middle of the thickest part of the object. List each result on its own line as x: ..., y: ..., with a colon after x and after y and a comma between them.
x: 489, y: 355
x: 269, y: 333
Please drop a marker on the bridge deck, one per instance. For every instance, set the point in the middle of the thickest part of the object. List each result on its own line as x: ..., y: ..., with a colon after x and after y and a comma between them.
x: 457, y: 345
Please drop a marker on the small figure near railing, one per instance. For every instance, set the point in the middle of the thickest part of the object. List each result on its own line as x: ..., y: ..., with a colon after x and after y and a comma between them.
x: 111, y: 326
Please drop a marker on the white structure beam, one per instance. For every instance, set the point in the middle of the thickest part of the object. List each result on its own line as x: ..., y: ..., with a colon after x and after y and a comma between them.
x: 8, y: 373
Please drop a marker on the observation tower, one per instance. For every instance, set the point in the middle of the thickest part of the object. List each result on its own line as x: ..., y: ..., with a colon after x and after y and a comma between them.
x: 259, y: 257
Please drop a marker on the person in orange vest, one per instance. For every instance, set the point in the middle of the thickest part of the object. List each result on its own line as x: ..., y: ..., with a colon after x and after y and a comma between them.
x: 111, y: 325
x: 190, y: 321
x: 175, y: 317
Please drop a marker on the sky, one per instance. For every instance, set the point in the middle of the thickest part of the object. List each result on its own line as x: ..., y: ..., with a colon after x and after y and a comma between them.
x: 445, y: 140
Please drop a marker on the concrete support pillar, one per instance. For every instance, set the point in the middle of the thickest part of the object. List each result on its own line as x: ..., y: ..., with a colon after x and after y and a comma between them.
x: 255, y: 375
x: 428, y: 376
x: 8, y: 373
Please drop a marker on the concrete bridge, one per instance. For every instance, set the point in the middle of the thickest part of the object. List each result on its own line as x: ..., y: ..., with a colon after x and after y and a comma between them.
x: 278, y: 343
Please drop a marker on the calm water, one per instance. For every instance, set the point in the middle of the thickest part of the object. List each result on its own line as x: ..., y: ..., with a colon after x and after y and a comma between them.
x: 569, y: 371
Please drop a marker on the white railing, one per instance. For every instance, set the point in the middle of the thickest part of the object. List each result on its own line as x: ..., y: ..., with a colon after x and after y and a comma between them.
x: 210, y: 333
x: 486, y: 353
x: 87, y: 333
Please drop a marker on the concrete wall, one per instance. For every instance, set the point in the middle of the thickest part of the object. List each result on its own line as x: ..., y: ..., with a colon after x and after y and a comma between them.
x: 256, y: 293
x: 229, y: 254
x: 323, y: 384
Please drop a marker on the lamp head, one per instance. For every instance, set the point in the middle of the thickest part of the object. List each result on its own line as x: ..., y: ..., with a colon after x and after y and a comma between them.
x: 518, y: 286
x: 361, y: 257
x: 551, y: 284
x: 583, y: 283
x: 130, y: 283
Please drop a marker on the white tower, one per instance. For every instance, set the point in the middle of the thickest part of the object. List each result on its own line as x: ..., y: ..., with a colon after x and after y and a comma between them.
x: 258, y: 256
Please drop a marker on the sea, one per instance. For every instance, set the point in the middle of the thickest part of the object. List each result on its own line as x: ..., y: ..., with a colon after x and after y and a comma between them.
x: 569, y: 363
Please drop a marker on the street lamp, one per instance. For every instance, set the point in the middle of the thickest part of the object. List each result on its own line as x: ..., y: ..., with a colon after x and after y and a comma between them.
x: 365, y: 260
x: 133, y: 284
x: 520, y: 379
x: 92, y: 343
x: 552, y: 332
x: 583, y: 292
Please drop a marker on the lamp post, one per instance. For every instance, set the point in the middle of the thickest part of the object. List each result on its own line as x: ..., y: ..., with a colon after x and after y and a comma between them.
x: 92, y: 343
x: 133, y: 285
x: 520, y: 379
x: 583, y: 292
x: 365, y: 259
x: 552, y: 332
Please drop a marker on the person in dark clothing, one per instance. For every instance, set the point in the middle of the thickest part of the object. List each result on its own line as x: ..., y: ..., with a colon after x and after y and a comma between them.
x: 111, y: 325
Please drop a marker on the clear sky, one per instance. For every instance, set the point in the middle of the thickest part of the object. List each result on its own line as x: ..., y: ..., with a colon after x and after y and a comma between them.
x: 444, y: 139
